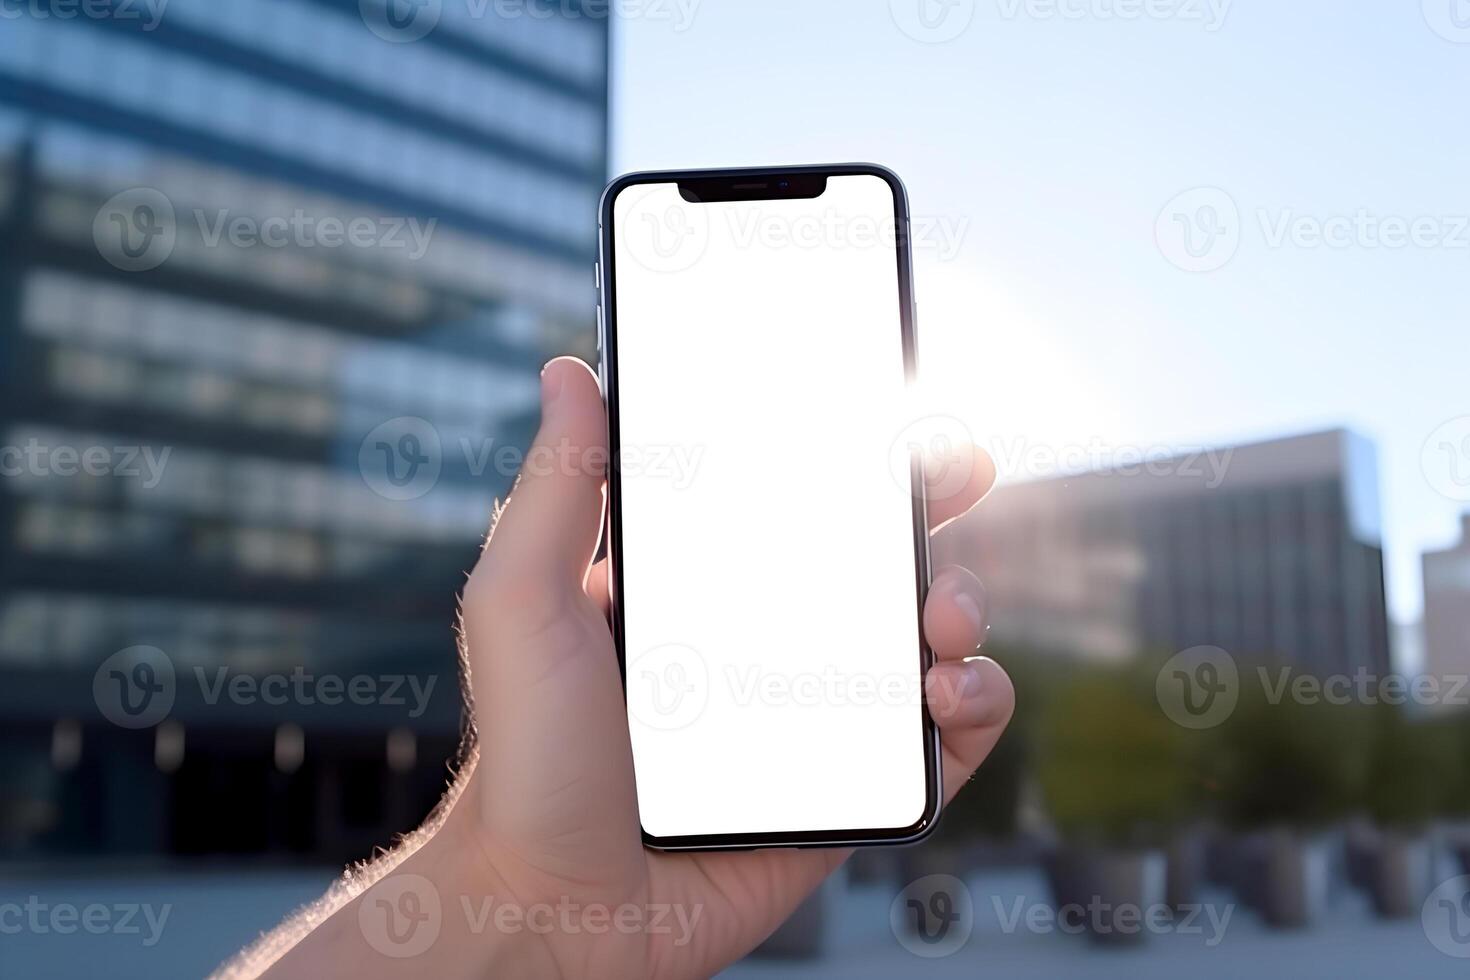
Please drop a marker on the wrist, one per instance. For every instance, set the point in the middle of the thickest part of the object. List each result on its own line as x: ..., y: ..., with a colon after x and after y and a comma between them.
x: 423, y: 917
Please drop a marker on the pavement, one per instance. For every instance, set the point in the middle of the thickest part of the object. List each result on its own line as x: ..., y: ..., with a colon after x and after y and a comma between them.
x: 1015, y: 936
x: 162, y: 925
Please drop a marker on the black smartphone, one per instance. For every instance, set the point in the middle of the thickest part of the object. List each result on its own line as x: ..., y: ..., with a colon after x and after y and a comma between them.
x: 767, y: 537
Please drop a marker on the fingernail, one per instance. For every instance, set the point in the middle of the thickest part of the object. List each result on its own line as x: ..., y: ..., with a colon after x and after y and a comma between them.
x: 959, y: 684
x: 971, y: 681
x: 971, y: 608
x: 551, y: 382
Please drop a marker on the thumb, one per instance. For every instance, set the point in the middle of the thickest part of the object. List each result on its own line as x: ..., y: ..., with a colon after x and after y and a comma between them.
x: 548, y: 533
x: 548, y: 701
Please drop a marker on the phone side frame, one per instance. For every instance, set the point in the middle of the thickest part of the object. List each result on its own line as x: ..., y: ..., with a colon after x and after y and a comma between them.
x: 607, y: 377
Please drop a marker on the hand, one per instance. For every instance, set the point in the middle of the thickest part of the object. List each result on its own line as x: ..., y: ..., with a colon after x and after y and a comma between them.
x: 549, y: 814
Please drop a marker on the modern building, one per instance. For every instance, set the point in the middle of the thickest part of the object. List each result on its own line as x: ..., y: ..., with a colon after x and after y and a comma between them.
x: 1271, y: 551
x: 276, y: 278
x: 1447, y: 608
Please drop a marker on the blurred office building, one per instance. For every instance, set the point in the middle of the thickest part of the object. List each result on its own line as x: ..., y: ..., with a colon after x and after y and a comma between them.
x: 1447, y: 608
x: 1271, y: 551
x: 277, y: 280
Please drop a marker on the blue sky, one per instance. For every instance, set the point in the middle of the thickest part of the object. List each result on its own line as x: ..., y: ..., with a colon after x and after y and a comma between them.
x: 1048, y: 138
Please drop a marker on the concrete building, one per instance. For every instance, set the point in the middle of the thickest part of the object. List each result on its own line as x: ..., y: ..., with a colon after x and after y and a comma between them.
x: 1447, y: 608
x: 1270, y: 550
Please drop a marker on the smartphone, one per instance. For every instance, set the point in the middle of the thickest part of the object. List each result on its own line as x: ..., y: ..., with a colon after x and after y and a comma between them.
x: 767, y: 538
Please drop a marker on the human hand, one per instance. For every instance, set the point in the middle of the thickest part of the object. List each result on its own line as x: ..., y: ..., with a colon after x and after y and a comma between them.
x: 548, y: 815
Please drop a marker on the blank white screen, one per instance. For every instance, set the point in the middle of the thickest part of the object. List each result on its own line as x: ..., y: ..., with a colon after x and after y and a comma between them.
x: 768, y: 588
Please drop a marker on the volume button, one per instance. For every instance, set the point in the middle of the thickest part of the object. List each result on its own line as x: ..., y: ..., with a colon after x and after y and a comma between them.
x: 601, y: 328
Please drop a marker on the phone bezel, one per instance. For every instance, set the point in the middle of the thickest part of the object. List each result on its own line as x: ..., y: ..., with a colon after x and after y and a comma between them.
x: 608, y: 376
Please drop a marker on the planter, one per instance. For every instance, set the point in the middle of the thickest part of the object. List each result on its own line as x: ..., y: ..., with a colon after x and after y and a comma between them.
x: 1399, y: 875
x: 1068, y: 875
x: 1127, y: 885
x: 913, y: 863
x: 1284, y: 875
x: 804, y: 934
x: 1222, y: 860
x: 1185, y: 869
x: 1360, y: 843
x: 872, y: 866
x: 1108, y: 892
x: 1454, y: 842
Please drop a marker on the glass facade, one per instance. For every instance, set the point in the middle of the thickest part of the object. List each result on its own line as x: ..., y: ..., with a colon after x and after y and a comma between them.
x: 260, y: 267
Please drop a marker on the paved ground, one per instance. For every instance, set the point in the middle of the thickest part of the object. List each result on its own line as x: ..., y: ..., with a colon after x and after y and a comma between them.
x: 1349, y: 944
x: 209, y: 915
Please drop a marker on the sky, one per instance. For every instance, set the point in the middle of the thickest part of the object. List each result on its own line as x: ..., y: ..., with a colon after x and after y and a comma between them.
x: 1069, y: 160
